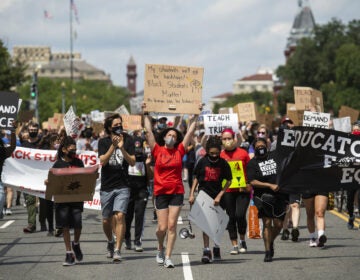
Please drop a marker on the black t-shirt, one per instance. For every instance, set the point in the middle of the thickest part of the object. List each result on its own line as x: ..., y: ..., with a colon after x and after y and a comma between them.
x: 114, y: 174
x: 32, y: 145
x: 211, y: 174
x: 2, y: 158
x: 263, y: 170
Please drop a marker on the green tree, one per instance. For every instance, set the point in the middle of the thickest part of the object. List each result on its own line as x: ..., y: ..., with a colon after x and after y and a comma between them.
x: 12, y: 72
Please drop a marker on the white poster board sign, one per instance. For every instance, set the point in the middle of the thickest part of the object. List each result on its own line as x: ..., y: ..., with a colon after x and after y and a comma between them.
x: 316, y: 119
x: 209, y: 218
x: 342, y: 124
x: 215, y: 123
x: 122, y: 110
x: 72, y: 123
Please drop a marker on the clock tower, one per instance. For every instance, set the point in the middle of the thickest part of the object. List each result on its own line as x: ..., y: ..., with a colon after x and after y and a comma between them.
x: 131, y: 76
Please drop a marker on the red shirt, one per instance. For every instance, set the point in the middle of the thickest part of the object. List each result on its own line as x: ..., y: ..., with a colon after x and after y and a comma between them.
x: 236, y: 155
x: 168, y: 170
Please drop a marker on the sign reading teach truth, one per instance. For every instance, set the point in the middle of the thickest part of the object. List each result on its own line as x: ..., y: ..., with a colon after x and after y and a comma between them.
x: 215, y: 123
x: 9, y: 102
x: 173, y: 89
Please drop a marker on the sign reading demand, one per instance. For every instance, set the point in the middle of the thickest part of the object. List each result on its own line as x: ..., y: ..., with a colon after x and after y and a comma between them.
x: 173, y: 89
x: 9, y: 102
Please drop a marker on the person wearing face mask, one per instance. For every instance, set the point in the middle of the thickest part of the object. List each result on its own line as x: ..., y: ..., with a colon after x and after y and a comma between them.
x: 168, y: 152
x: 262, y: 132
x: 209, y: 173
x: 32, y: 142
x: 237, y: 196
x: 116, y: 153
x: 69, y: 214
x: 261, y: 174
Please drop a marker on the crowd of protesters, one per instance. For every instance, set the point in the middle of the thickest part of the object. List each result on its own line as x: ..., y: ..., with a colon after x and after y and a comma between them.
x: 157, y: 162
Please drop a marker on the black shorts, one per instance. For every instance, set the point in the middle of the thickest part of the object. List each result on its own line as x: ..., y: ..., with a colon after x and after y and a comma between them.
x: 69, y: 215
x: 271, y: 205
x: 311, y: 195
x: 163, y: 201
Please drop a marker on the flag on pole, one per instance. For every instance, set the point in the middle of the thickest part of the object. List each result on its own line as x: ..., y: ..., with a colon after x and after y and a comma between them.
x: 47, y: 15
x: 75, y: 10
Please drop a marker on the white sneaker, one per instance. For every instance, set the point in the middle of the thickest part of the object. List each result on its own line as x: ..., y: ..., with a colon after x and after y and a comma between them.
x: 160, y: 257
x: 8, y: 211
x: 312, y: 242
x: 168, y: 263
x: 235, y: 251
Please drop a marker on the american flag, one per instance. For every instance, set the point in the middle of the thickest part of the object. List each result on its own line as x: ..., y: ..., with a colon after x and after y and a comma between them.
x: 47, y: 15
x: 74, y: 8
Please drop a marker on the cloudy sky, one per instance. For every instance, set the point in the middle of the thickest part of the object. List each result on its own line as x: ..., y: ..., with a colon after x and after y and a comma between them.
x: 229, y: 38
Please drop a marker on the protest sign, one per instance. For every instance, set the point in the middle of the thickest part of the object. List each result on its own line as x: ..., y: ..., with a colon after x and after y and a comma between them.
x: 312, y: 160
x: 71, y: 184
x: 131, y: 122
x: 72, y: 123
x: 308, y: 99
x: 122, y: 110
x: 246, y: 111
x: 316, y: 119
x: 342, y: 124
x: 296, y: 116
x: 215, y: 123
x: 346, y: 111
x: 210, y: 219
x: 173, y: 89
x: 97, y: 116
x: 9, y: 102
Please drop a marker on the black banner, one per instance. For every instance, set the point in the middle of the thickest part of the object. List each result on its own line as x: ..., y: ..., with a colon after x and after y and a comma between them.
x: 317, y: 160
x: 9, y: 102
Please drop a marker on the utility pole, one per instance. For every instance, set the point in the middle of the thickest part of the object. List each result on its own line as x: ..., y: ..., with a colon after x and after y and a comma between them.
x: 71, y: 59
x: 35, y: 93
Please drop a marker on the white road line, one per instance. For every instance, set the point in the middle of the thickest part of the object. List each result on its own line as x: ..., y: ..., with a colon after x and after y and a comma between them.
x: 180, y: 221
x: 8, y: 223
x: 186, y: 266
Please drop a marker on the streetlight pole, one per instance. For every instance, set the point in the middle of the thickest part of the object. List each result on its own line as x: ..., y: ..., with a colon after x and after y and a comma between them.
x: 74, y: 99
x: 63, y: 98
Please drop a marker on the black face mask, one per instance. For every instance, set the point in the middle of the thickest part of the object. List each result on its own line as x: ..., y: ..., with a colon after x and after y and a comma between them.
x: 260, y: 152
x: 71, y: 154
x: 117, y: 130
x: 33, y: 134
x: 213, y: 158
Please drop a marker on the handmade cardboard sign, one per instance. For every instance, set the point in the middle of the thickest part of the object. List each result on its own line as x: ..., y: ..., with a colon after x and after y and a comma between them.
x: 71, y: 184
x: 309, y: 99
x: 315, y: 119
x: 173, y: 89
x: 246, y: 111
x: 348, y: 111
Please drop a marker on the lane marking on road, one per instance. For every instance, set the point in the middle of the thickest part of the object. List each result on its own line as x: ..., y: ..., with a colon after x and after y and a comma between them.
x: 180, y: 221
x: 8, y: 223
x: 186, y: 266
x: 345, y: 217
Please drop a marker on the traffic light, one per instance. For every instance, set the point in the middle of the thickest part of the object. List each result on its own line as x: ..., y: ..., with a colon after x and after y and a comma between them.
x: 33, y: 91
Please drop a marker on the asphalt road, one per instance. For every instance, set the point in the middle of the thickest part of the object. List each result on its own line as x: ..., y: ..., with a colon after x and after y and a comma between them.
x: 37, y: 256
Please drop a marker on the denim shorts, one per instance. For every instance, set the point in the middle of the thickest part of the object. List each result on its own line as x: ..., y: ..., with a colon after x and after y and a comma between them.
x: 164, y: 201
x: 115, y: 200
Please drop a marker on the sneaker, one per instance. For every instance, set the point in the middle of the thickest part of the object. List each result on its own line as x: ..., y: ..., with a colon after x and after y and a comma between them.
x: 243, y: 247
x: 69, y: 259
x: 285, y: 234
x: 110, y: 250
x: 168, y: 263
x: 160, y: 257
x: 29, y: 229
x: 8, y: 212
x: 350, y: 224
x: 117, y: 256
x: 138, y: 247
x: 77, y: 251
x: 295, y: 234
x: 58, y: 232
x: 268, y: 257
x: 272, y: 251
x: 128, y: 244
x: 312, y: 242
x: 321, y: 241
x: 235, y: 251
x: 216, y: 254
x: 206, y: 257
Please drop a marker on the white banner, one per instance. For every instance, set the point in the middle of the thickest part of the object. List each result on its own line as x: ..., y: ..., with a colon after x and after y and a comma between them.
x: 209, y: 218
x: 215, y: 123
x: 27, y: 169
x: 315, y: 119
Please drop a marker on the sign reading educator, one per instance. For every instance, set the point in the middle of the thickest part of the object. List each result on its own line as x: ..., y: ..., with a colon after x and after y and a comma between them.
x: 9, y: 102
x: 173, y: 89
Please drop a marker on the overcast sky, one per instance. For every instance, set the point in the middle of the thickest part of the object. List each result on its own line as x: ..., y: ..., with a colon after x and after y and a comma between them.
x: 229, y: 38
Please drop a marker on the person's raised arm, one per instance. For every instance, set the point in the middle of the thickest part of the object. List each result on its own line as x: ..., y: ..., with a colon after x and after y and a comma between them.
x: 149, y: 133
x: 190, y: 131
x: 11, y: 148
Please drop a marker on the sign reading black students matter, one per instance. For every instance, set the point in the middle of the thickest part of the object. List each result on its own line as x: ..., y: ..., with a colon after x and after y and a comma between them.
x: 9, y: 102
x: 173, y: 89
x: 314, y: 160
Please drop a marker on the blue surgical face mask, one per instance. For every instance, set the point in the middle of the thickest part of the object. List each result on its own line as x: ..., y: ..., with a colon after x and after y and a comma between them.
x: 169, y: 141
x: 161, y: 125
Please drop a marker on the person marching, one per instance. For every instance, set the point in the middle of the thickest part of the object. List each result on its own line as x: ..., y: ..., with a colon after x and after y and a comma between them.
x: 261, y: 174
x: 168, y: 184
x: 237, y: 196
x: 209, y: 174
x: 69, y: 214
